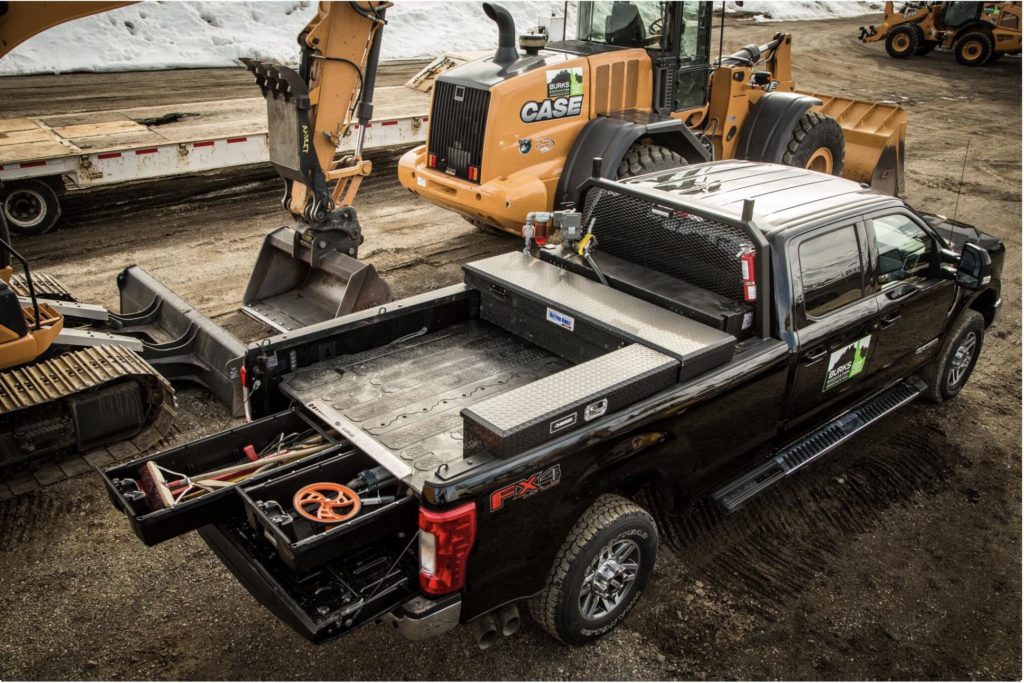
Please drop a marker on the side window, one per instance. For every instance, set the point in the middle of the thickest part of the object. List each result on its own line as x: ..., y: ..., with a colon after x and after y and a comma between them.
x: 831, y: 271
x: 904, y: 250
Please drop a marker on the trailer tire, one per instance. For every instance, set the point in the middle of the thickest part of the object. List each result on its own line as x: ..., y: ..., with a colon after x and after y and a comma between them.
x: 949, y: 372
x: 30, y: 206
x: 904, y: 41
x: 613, y: 534
x: 817, y: 143
x: 974, y: 48
x: 641, y: 159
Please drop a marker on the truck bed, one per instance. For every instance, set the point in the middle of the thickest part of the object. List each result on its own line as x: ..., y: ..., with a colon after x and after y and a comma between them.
x: 408, y: 395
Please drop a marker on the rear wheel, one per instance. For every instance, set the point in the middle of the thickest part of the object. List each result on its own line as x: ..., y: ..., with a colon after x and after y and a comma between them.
x: 641, y: 159
x: 30, y: 206
x: 973, y: 49
x: 951, y: 369
x: 817, y: 144
x: 599, y: 573
x: 903, y: 41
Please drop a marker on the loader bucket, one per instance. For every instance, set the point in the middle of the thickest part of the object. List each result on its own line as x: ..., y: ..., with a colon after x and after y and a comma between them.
x: 293, y: 285
x: 875, y: 135
x: 179, y: 341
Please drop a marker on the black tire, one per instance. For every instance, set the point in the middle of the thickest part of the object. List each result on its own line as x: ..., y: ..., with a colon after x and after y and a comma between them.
x: 926, y: 47
x: 30, y: 206
x: 642, y: 159
x: 611, y: 522
x: 974, y: 48
x: 904, y: 41
x: 817, y: 142
x: 951, y: 369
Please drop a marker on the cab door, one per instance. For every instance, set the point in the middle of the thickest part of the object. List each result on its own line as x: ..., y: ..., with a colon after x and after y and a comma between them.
x: 914, y: 300
x: 836, y: 318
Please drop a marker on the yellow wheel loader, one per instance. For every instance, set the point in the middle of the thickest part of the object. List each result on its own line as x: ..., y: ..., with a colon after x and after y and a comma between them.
x: 518, y: 131
x: 977, y: 32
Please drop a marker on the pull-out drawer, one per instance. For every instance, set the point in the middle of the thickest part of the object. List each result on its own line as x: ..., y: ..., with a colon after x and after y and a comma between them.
x: 326, y: 602
x: 155, y: 519
x: 386, y: 508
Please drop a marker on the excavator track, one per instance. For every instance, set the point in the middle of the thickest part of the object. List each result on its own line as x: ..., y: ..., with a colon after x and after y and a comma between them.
x: 76, y: 402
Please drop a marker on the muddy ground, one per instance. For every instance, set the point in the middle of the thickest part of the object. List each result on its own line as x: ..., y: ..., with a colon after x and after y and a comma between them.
x: 899, y: 557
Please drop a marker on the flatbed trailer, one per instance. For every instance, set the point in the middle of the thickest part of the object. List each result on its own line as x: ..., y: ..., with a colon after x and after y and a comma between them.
x: 42, y: 156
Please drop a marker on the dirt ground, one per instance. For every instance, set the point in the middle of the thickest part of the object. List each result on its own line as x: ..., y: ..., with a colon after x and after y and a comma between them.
x: 897, y: 558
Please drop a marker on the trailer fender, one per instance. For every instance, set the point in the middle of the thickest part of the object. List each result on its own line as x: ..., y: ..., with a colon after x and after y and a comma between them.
x: 610, y: 138
x: 769, y: 126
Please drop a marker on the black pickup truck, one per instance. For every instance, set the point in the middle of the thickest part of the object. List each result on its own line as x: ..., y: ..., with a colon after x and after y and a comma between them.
x: 442, y: 459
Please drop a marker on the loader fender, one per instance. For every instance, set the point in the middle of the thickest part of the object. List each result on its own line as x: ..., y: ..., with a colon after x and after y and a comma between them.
x: 610, y: 138
x: 769, y: 126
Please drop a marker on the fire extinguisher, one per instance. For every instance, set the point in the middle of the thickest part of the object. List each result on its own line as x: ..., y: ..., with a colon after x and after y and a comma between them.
x: 748, y: 272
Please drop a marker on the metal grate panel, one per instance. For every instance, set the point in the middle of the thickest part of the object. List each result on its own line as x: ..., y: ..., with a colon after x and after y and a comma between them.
x: 457, y: 121
x: 698, y: 250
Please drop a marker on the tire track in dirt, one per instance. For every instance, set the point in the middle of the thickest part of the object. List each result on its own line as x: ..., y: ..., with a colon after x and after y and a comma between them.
x: 774, y: 546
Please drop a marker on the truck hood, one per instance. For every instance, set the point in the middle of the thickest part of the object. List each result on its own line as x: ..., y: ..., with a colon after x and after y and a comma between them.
x: 958, y: 234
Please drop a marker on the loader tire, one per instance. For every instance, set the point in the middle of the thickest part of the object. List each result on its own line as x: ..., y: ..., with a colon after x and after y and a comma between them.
x: 613, y: 534
x: 949, y: 372
x: 31, y: 207
x: 926, y: 47
x: 974, y: 48
x: 904, y: 41
x: 817, y: 143
x: 641, y: 159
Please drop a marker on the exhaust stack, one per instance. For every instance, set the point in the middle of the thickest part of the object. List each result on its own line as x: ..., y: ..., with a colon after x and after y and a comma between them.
x: 506, y: 53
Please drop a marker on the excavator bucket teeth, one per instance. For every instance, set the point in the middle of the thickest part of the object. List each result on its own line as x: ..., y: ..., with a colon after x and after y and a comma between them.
x: 179, y: 341
x: 286, y: 292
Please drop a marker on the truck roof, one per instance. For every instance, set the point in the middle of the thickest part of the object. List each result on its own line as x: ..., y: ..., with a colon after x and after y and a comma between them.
x: 784, y: 196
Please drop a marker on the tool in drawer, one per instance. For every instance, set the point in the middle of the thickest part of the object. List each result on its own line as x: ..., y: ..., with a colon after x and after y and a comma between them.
x: 326, y: 502
x: 166, y: 488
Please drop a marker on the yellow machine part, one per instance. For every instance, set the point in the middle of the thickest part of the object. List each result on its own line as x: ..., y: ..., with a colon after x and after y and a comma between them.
x: 19, y: 21
x: 18, y: 350
x: 874, y: 134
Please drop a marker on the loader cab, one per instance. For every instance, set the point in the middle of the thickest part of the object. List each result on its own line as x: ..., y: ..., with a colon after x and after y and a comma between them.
x: 677, y: 35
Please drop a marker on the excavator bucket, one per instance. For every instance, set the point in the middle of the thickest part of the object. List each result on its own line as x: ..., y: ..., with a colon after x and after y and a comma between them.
x: 295, y: 284
x: 308, y: 273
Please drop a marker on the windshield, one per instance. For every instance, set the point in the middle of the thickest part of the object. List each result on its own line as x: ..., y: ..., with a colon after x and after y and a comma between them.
x: 621, y: 23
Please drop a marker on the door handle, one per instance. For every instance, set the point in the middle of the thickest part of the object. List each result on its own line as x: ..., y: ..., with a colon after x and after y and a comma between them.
x: 890, y: 319
x: 813, y: 356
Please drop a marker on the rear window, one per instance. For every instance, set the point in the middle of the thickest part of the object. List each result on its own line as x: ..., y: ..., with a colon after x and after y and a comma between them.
x: 831, y: 271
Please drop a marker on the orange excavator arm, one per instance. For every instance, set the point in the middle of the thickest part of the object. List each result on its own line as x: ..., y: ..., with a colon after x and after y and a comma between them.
x: 19, y: 21
x: 311, y: 109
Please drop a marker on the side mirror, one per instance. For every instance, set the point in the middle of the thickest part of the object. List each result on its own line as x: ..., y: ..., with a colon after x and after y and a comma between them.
x: 975, y: 268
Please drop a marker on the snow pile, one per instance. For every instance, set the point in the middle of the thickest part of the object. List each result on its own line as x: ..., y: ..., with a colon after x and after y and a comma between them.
x: 171, y: 35
x: 803, y: 10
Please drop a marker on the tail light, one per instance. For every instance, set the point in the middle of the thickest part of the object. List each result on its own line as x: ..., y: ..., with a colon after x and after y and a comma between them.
x: 474, y: 173
x: 432, y: 160
x: 446, y: 539
x: 748, y: 270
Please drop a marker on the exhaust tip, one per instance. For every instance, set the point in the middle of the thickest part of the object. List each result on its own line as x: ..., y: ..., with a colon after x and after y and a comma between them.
x: 486, y: 632
x: 508, y: 618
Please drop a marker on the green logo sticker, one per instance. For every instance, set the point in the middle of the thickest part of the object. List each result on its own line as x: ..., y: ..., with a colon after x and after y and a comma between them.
x: 565, y: 82
x: 847, y: 362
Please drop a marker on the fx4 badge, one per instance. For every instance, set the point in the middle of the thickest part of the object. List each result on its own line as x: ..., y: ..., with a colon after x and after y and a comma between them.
x: 524, y: 488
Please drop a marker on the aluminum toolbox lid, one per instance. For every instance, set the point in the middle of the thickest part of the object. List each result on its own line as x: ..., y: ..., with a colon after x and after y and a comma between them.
x: 527, y: 416
x: 569, y: 296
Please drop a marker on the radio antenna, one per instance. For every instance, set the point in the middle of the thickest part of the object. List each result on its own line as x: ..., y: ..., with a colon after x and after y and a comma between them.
x: 959, y: 188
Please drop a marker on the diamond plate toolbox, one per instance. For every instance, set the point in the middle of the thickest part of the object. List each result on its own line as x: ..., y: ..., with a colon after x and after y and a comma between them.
x: 521, y: 419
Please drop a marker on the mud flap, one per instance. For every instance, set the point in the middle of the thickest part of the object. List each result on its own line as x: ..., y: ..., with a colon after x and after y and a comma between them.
x: 179, y: 341
x: 295, y: 284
